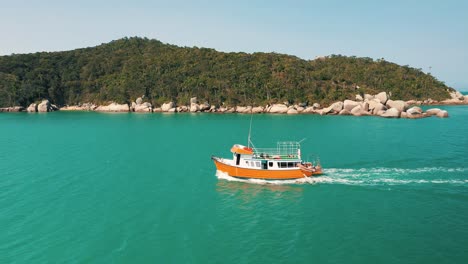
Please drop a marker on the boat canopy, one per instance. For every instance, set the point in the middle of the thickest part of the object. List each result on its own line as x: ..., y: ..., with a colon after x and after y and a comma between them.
x: 240, y: 149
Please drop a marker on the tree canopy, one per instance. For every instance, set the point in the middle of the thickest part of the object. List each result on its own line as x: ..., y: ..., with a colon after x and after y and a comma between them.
x: 125, y: 69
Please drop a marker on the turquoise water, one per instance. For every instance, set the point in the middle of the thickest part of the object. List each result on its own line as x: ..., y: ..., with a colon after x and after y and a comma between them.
x: 141, y: 188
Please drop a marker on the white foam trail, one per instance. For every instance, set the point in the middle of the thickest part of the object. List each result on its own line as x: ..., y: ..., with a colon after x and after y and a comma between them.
x: 366, y: 176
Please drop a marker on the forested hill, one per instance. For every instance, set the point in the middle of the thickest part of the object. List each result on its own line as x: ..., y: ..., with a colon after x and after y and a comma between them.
x: 128, y: 68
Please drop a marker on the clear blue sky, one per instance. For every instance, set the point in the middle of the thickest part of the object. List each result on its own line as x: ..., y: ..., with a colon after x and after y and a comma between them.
x: 421, y: 34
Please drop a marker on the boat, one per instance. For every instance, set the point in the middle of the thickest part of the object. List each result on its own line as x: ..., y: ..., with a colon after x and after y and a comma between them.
x: 281, y: 163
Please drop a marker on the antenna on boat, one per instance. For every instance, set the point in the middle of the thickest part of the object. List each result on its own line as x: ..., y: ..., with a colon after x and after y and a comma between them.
x: 250, y: 129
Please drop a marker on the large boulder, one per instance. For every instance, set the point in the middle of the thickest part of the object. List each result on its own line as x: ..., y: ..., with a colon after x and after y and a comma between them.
x: 359, y: 98
x: 391, y: 113
x: 309, y: 109
x: 337, y: 107
x: 44, y: 106
x: 182, y: 109
x: 344, y: 112
x: 442, y: 113
x: 378, y: 107
x: 166, y: 106
x: 382, y: 97
x: 243, y: 109
x: 257, y: 109
x: 365, y: 106
x: 89, y: 106
x: 432, y: 111
x: 349, y: 105
x: 334, y: 108
x: 194, y: 107
x: 375, y: 106
x: 143, y: 107
x: 368, y: 97
x: 292, y: 111
x: 205, y: 106
x: 278, y: 108
x: 193, y: 100
x: 213, y: 109
x: 316, y: 106
x: 113, y: 107
x: 415, y: 110
x: 359, y: 110
x: 397, y: 104
x: 230, y: 110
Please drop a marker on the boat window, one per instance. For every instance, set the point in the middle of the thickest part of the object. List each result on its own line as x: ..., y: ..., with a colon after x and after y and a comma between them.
x: 290, y: 164
x: 270, y: 164
x: 283, y: 165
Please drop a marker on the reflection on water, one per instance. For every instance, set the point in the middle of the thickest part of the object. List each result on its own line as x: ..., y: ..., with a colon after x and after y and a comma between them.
x: 248, y: 189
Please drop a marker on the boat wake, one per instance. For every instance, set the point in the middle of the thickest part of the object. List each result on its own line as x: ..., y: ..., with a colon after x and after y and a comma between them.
x: 373, y: 176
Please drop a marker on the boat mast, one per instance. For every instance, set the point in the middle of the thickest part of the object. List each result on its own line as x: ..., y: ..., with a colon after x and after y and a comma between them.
x: 250, y: 130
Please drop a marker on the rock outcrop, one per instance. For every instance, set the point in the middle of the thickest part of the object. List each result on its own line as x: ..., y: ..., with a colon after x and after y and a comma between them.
x: 205, y: 107
x: 432, y: 111
x: 45, y: 106
x: 80, y: 107
x: 278, y: 109
x: 349, y: 105
x: 344, y: 112
x: 382, y: 97
x: 12, y: 109
x: 391, y: 113
x: 143, y: 107
x: 442, y: 113
x: 194, y: 107
x: 113, y: 107
x: 398, y: 104
x: 32, y: 108
x: 258, y: 109
x: 140, y: 106
x: 334, y: 108
x: 166, y: 106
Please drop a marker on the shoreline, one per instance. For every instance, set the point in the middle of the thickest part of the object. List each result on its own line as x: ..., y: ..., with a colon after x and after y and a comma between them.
x: 370, y: 105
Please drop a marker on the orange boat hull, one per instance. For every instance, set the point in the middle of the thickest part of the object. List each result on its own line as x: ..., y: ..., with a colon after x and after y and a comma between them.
x: 234, y: 171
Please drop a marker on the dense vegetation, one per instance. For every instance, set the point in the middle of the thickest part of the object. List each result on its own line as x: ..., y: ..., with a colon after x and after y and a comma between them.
x: 125, y: 69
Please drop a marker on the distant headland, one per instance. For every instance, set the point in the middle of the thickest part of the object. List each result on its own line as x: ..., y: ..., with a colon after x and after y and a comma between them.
x: 142, y: 75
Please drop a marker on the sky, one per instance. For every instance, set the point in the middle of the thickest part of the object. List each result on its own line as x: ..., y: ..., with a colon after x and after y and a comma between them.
x: 431, y: 35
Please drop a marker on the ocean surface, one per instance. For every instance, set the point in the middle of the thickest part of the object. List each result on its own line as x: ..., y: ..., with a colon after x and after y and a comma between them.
x: 141, y: 188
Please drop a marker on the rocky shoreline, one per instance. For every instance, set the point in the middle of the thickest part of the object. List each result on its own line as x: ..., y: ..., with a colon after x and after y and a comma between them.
x: 368, y: 105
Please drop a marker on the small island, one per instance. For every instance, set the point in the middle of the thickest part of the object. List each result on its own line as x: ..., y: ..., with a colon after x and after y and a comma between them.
x: 142, y: 75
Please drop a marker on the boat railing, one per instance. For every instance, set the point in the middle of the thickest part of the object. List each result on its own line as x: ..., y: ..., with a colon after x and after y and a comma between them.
x: 283, y: 150
x: 275, y: 153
